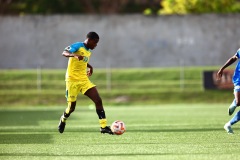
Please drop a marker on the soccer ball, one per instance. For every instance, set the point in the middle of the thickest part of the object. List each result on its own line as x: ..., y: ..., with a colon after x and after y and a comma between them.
x: 118, y: 127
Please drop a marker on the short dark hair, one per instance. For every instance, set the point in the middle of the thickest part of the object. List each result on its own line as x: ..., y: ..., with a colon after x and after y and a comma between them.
x: 92, y: 35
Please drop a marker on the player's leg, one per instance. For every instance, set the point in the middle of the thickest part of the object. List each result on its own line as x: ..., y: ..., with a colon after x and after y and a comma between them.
x: 71, y: 95
x: 235, y: 119
x: 70, y: 108
x: 228, y: 125
x: 93, y: 94
x: 65, y: 115
x: 232, y: 107
x: 236, y: 101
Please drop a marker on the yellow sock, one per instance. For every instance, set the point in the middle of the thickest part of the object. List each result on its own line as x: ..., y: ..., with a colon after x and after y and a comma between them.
x: 103, y: 123
x: 64, y: 119
x: 68, y: 108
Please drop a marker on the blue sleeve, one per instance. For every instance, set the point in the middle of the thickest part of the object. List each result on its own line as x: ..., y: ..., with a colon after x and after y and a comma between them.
x: 74, y: 47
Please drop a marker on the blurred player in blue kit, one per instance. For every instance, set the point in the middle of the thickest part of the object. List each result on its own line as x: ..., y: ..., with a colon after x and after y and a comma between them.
x: 236, y: 82
x: 77, y: 80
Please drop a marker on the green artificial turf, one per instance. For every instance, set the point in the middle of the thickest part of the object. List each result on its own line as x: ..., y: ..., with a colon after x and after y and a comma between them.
x: 170, y: 131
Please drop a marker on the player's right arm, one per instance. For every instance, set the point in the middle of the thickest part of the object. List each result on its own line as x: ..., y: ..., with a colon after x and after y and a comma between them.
x: 228, y: 63
x: 70, y: 52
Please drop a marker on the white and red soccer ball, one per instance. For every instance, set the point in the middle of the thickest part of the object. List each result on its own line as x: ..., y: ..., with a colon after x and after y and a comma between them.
x: 118, y: 127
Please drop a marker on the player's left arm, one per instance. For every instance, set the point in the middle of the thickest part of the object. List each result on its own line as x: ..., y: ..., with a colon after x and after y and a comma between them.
x: 90, y: 70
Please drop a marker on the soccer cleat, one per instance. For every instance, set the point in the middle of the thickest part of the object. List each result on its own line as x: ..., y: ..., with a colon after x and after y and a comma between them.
x: 228, y: 128
x: 231, y: 109
x: 106, y: 130
x: 61, y: 126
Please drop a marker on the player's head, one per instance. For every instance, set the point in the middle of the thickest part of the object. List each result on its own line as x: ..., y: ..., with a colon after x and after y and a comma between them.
x: 92, y: 40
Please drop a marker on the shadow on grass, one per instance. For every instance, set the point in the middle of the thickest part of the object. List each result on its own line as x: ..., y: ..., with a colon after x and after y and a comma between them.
x: 87, y: 155
x: 25, y: 139
x: 92, y: 130
x: 25, y: 118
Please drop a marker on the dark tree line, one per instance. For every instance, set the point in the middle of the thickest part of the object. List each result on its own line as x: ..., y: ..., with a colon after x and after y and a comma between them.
x: 14, y: 7
x: 46, y: 7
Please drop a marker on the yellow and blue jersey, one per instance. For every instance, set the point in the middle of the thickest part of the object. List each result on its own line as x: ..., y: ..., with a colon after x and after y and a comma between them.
x: 76, y: 69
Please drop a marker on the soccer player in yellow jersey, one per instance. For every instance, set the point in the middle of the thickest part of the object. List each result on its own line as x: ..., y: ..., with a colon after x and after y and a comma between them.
x: 77, y: 80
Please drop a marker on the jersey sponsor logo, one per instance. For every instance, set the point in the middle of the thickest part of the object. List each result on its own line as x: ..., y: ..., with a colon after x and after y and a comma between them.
x: 85, y: 59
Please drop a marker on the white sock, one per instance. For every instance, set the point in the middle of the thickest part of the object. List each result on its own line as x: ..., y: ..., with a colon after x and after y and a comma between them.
x: 228, y: 124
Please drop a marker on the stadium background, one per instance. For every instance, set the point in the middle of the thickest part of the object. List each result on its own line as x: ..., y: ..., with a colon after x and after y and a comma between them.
x: 149, y: 69
x: 142, y: 55
x: 134, y: 41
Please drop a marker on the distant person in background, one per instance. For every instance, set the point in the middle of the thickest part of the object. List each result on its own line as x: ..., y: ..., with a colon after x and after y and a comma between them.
x: 77, y: 80
x: 236, y: 82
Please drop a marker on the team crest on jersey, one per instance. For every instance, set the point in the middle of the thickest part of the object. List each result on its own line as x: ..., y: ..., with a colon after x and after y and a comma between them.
x: 68, y: 48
